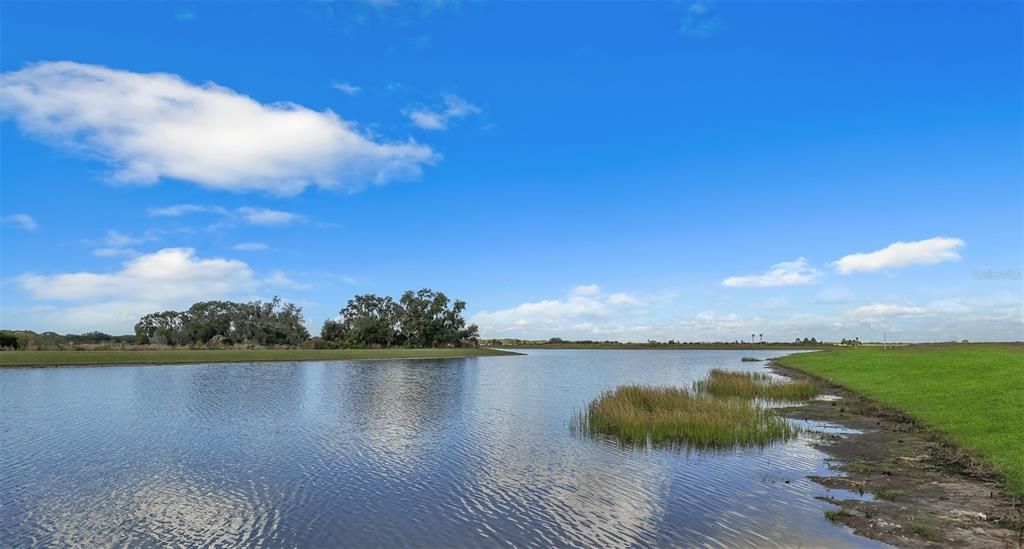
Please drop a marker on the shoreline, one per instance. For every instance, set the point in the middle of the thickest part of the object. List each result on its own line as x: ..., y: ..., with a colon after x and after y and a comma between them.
x: 141, y: 357
x: 926, y: 490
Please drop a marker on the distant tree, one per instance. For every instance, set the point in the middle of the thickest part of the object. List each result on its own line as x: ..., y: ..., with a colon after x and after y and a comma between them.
x: 259, y: 322
x: 419, y: 319
x: 9, y: 341
x: 430, y: 319
x: 269, y: 323
x: 208, y: 319
x: 164, y: 328
x: 367, y: 320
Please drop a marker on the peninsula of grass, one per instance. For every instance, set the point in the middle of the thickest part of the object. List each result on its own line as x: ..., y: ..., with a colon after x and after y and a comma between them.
x: 642, y: 415
x: 754, y: 385
x: 972, y: 395
x: 199, y: 356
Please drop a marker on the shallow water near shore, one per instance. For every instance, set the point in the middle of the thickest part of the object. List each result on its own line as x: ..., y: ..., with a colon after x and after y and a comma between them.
x: 464, y: 452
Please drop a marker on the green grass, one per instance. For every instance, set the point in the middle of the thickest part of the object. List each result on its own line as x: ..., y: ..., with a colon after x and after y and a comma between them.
x: 973, y: 395
x: 186, y: 356
x: 754, y: 385
x: 925, y: 531
x: 882, y: 492
x: 637, y: 415
x: 838, y: 514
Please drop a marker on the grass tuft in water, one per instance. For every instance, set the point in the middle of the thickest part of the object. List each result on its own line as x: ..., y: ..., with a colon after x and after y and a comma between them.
x: 754, y: 385
x: 640, y: 415
x: 837, y: 515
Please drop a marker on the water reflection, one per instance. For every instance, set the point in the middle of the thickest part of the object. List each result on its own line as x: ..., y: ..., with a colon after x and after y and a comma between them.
x: 422, y: 453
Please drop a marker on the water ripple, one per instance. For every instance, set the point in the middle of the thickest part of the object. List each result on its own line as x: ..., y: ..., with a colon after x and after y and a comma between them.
x: 467, y: 452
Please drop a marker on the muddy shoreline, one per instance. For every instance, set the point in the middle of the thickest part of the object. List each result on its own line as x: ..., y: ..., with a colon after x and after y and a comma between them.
x: 927, y: 493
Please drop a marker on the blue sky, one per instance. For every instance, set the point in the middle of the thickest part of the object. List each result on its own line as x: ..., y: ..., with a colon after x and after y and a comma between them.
x: 667, y: 170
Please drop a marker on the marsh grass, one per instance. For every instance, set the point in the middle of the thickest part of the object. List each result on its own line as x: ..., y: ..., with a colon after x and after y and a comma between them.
x: 641, y: 415
x: 754, y: 385
x: 925, y: 531
x: 837, y: 515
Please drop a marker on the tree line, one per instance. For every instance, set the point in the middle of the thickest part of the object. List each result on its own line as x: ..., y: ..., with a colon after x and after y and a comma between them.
x: 424, y: 318
x: 225, y: 322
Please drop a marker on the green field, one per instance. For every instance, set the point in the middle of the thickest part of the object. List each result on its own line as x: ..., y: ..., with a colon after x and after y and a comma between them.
x: 971, y: 394
x: 187, y: 356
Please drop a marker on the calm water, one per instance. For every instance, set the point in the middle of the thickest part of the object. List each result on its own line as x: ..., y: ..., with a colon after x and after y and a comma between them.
x: 465, y: 452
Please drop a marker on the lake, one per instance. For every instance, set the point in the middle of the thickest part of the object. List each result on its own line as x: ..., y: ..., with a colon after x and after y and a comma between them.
x: 463, y: 452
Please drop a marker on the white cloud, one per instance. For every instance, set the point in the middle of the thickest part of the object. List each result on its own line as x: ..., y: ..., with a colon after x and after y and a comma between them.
x: 25, y: 221
x: 885, y: 310
x: 264, y: 216
x: 249, y: 246
x: 543, y: 312
x: 623, y: 299
x: 280, y: 280
x: 169, y: 274
x: 171, y: 278
x: 437, y: 119
x: 787, y: 273
x: 250, y: 215
x: 117, y: 239
x: 902, y: 254
x: 112, y: 252
x: 585, y: 312
x: 179, y: 210
x: 346, y: 88
x: 149, y: 126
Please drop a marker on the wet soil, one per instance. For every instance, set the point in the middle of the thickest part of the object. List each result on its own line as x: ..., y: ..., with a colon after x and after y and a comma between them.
x: 927, y: 492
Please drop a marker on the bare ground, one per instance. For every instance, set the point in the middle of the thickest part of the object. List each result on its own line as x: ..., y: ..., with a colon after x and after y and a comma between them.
x: 927, y: 492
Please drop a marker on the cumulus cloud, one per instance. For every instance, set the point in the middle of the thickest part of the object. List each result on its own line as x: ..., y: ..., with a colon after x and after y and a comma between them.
x: 437, y: 119
x: 787, y: 273
x: 902, y: 254
x: 346, y: 88
x: 171, y: 278
x: 25, y: 221
x: 150, y: 126
x: 586, y: 310
x: 168, y: 274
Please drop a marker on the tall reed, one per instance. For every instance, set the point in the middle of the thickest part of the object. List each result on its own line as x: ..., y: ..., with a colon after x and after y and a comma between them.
x: 754, y: 385
x: 636, y: 414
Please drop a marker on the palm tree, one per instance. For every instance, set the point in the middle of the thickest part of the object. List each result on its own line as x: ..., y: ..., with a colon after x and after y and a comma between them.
x: 762, y: 337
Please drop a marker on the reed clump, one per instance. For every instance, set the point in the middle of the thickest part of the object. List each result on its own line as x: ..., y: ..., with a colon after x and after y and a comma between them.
x: 640, y: 415
x: 754, y: 385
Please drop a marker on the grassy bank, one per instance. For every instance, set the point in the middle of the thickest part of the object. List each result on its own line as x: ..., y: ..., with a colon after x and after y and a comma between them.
x: 971, y: 394
x: 186, y: 356
x: 667, y: 346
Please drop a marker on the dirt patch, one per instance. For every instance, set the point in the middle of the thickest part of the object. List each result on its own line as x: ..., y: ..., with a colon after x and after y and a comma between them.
x: 927, y: 493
